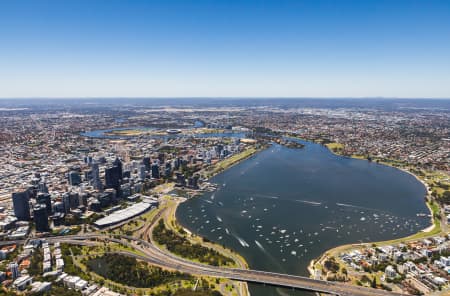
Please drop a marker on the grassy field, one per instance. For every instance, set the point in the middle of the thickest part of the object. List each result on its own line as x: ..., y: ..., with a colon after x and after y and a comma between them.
x: 335, y: 146
x: 164, y: 188
x: 138, y: 222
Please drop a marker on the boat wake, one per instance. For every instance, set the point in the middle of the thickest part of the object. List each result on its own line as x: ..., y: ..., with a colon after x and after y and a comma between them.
x: 241, y: 241
x: 260, y: 246
x: 267, y: 196
x: 346, y: 205
x: 313, y: 203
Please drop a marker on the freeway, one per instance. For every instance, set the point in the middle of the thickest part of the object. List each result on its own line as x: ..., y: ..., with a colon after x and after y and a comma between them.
x: 154, y: 255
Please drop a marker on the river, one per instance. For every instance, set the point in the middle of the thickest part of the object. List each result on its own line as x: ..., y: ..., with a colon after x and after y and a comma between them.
x: 283, y: 207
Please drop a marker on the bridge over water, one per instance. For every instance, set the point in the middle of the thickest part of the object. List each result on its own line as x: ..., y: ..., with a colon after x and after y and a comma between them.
x: 155, y: 256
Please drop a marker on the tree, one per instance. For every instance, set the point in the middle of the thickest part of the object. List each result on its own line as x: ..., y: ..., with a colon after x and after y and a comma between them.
x: 374, y: 282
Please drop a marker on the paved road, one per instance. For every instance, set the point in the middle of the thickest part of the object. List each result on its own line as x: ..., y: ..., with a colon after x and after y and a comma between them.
x: 156, y: 256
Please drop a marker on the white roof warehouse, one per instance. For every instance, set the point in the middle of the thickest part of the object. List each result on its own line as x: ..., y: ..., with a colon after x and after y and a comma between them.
x: 125, y: 214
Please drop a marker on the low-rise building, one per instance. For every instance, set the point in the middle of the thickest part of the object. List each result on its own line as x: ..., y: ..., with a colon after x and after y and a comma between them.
x: 390, y: 272
x: 22, y: 282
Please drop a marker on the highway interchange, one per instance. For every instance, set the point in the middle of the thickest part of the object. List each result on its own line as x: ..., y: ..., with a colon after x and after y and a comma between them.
x: 150, y: 253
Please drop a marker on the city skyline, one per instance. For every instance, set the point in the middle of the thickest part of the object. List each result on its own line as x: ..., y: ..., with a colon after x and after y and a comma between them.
x: 217, y: 49
x: 342, y: 196
x: 225, y: 148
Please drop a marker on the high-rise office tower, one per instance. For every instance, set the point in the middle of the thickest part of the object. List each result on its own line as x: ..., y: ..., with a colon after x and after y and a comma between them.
x: 21, y: 204
x: 40, y: 217
x: 155, y: 171
x: 45, y: 198
x: 42, y: 187
x: 113, y: 177
x: 168, y: 169
x: 96, y: 182
x: 142, y: 172
x: 74, y: 200
x: 88, y: 159
x: 66, y: 202
x: 181, y: 179
x: 74, y: 178
x: 84, y: 199
x: 118, y: 163
x: 147, y: 163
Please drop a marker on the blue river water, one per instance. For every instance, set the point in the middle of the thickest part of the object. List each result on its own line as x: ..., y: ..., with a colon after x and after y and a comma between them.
x: 283, y: 207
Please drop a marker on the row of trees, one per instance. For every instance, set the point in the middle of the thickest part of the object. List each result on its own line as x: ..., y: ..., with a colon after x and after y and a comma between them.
x: 181, y: 246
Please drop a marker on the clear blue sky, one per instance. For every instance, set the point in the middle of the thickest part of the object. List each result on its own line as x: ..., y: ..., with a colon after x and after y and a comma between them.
x: 218, y: 48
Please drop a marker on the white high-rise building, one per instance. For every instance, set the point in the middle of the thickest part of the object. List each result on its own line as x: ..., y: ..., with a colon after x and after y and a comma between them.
x: 14, y: 269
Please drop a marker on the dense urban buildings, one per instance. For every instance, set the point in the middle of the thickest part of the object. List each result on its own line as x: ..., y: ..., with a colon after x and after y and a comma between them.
x: 84, y: 169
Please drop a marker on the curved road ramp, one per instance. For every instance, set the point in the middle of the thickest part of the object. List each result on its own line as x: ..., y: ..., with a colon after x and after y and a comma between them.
x: 156, y: 256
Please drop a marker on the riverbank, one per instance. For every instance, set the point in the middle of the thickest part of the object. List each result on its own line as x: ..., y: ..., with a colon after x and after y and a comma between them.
x: 227, y: 163
x: 143, y: 227
x: 436, y: 223
x: 170, y: 222
x: 261, y: 193
x: 168, y: 214
x: 435, y: 226
x: 438, y: 227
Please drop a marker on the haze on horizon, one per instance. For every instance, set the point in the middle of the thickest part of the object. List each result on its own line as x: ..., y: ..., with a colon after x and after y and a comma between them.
x: 112, y: 48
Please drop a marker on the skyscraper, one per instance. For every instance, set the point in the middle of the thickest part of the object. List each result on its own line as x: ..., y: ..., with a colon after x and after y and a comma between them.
x: 96, y: 182
x: 84, y: 199
x: 118, y: 163
x: 155, y: 171
x: 21, y: 205
x: 112, y: 177
x: 181, y: 179
x: 42, y: 187
x: 88, y: 159
x: 147, y: 163
x: 66, y: 202
x: 45, y: 198
x: 142, y: 172
x: 168, y: 169
x: 40, y: 217
x: 74, y: 200
x: 74, y: 178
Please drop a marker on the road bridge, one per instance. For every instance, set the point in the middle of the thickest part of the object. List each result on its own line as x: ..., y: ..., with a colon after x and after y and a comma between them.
x: 154, y: 255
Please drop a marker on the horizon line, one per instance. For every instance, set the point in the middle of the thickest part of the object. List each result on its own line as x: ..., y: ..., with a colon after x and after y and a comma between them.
x: 219, y: 97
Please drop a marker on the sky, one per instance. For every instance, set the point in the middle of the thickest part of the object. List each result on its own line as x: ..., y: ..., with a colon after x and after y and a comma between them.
x: 205, y: 48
